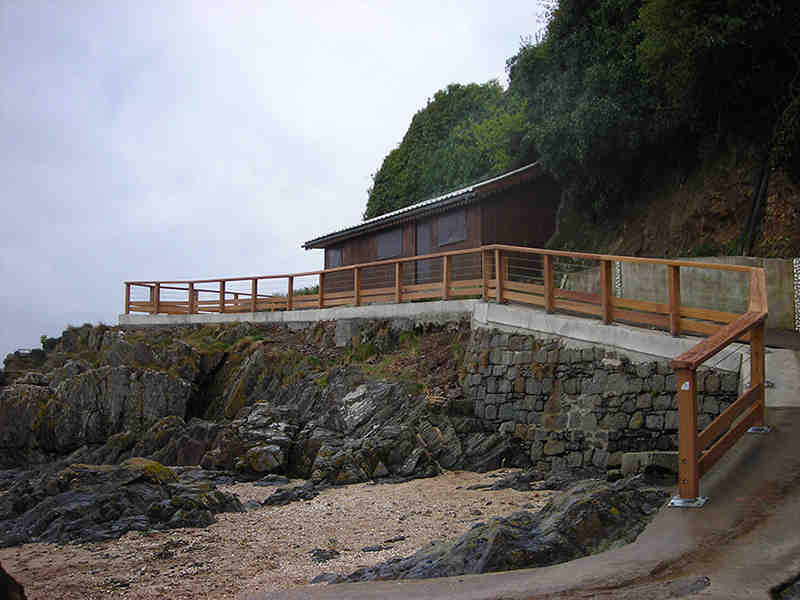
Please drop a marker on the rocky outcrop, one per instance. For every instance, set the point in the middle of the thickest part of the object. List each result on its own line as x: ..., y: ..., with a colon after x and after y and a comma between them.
x: 98, y: 502
x: 589, y: 517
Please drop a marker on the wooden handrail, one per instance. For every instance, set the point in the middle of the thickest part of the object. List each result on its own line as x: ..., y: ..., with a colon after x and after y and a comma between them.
x: 722, y: 328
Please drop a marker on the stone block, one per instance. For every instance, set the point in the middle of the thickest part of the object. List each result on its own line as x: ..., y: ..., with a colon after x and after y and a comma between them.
x: 654, y: 422
x: 587, y: 355
x: 491, y: 385
x: 710, y: 405
x: 491, y: 412
x: 615, y: 458
x: 671, y: 419
x: 671, y: 383
x: 553, y: 447
x: 589, y: 422
x: 506, y: 412
x: 503, y: 386
x: 637, y: 462
x: 547, y: 385
x: 662, y: 402
x: 559, y: 463
x: 571, y: 386
x: 552, y: 356
x: 495, y: 356
x: 644, y: 401
x: 479, y: 409
x: 636, y: 421
x: 519, y: 385
x: 712, y: 382
x: 507, y: 428
x: 617, y: 383
x: 656, y: 383
x: 537, y: 451
x: 730, y: 382
x: 523, y: 357
x: 600, y: 459
x: 507, y: 357
x: 533, y: 386
x: 574, y: 459
x: 644, y: 370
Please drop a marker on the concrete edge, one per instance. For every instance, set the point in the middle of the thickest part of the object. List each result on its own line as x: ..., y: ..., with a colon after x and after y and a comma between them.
x: 639, y: 344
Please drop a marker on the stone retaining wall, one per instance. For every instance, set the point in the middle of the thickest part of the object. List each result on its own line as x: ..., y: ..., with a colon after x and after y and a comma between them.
x: 581, y: 405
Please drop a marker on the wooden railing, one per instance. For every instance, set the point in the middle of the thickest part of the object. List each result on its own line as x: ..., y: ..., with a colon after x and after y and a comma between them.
x: 529, y: 276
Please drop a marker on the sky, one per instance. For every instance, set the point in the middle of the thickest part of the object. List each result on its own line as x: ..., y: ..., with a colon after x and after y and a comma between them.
x: 156, y: 140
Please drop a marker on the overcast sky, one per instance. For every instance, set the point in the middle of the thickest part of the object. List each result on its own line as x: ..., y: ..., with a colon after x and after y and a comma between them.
x: 169, y: 140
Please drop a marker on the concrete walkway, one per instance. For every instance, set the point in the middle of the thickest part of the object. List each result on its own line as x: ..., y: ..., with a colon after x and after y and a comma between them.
x: 742, y: 544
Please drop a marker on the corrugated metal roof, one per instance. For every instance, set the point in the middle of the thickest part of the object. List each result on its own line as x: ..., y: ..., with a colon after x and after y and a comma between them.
x: 464, y: 194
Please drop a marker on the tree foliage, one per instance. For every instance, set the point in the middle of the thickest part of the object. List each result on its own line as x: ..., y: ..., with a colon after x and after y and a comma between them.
x: 464, y: 133
x: 610, y: 87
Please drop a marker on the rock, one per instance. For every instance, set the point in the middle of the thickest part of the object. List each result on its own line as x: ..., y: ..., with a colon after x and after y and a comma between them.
x: 282, y: 496
x: 319, y: 555
x: 587, y: 518
x: 10, y: 589
x: 98, y: 502
x: 272, y: 480
x: 90, y: 407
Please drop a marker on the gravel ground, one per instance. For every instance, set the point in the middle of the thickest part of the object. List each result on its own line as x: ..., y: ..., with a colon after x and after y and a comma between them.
x: 269, y: 548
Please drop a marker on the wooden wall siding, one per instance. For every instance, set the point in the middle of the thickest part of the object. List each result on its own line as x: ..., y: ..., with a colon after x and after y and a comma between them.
x: 521, y: 216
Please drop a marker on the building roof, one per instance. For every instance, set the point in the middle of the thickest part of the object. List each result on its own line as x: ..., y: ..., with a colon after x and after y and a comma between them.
x: 451, y: 199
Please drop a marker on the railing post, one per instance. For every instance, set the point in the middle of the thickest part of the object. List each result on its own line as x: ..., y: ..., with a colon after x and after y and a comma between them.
x: 498, y: 272
x: 757, y: 368
x: 356, y: 287
x: 605, y: 291
x: 549, y: 284
x: 222, y: 296
x: 289, y: 293
x: 674, y: 277
x: 156, y: 298
x: 688, y: 473
x: 236, y: 302
x: 253, y: 294
x: 322, y: 290
x: 398, y: 273
x: 192, y: 299
x: 485, y: 268
x: 127, y: 298
x: 445, y: 277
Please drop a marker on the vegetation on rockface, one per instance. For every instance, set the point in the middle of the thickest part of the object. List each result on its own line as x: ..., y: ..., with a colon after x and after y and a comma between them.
x: 620, y: 100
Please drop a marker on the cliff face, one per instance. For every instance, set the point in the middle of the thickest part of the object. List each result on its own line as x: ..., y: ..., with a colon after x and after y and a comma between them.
x: 253, y: 399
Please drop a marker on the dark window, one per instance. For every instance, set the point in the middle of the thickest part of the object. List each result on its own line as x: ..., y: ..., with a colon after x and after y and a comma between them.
x: 334, y: 257
x: 390, y: 243
x: 452, y: 227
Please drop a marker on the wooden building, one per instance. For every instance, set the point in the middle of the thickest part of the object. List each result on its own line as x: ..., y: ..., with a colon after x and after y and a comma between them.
x: 516, y: 208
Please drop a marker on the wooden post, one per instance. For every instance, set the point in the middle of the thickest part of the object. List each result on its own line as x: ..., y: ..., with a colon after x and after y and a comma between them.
x: 356, y: 287
x: 674, y: 281
x: 485, y: 268
x: 605, y: 291
x: 688, y: 475
x: 157, y: 299
x: 322, y: 290
x: 253, y: 294
x: 498, y: 272
x: 757, y: 367
x: 289, y: 294
x: 549, y: 285
x: 398, y: 274
x: 222, y: 296
x: 127, y: 298
x: 445, y: 277
x: 192, y: 299
x: 236, y: 302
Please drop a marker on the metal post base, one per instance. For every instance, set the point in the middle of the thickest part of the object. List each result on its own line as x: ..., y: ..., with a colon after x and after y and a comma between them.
x: 678, y: 502
x: 760, y: 429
